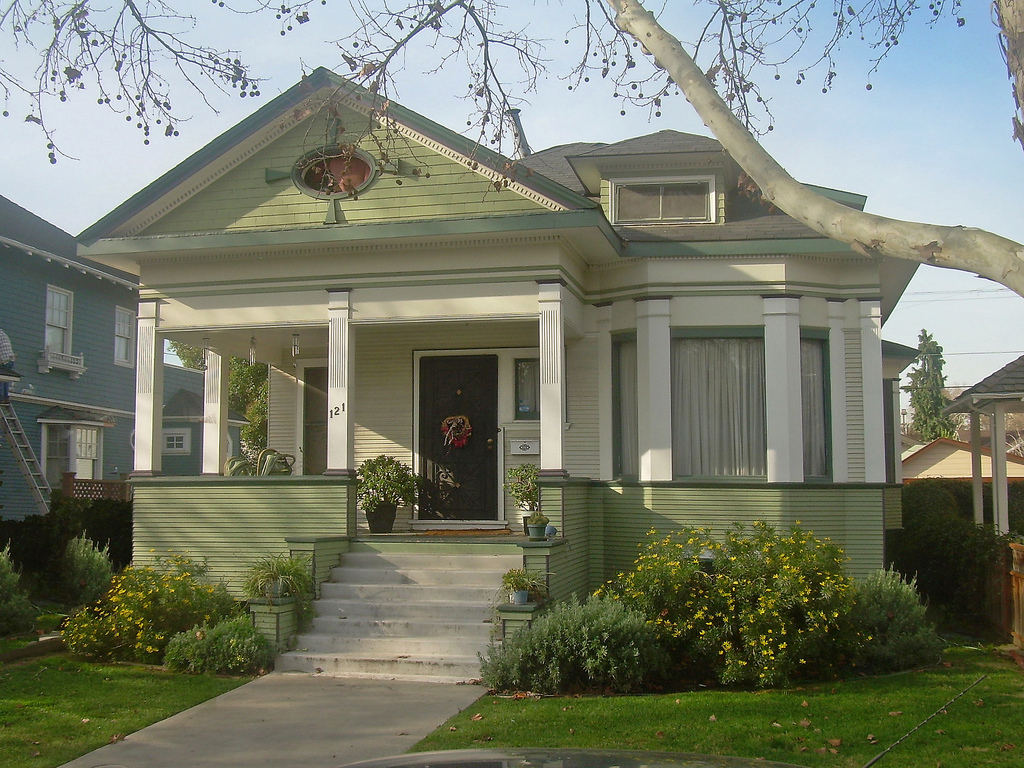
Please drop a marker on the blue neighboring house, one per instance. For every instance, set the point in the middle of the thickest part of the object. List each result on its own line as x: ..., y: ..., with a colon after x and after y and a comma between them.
x: 72, y: 324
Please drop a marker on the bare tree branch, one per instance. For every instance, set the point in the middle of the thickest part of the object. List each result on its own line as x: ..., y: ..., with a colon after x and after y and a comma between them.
x: 973, y: 250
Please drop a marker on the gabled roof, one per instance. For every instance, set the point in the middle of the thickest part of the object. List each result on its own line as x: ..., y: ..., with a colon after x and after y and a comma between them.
x: 1005, y: 384
x: 319, y: 81
x: 957, y: 445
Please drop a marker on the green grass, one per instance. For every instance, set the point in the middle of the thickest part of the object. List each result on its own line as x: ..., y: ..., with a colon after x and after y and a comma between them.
x: 54, y: 709
x: 842, y: 724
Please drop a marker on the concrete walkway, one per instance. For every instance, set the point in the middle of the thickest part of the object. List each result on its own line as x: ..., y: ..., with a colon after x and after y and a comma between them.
x: 288, y: 719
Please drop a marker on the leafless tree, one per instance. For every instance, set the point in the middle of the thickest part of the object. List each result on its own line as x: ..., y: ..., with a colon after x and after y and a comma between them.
x: 737, y: 43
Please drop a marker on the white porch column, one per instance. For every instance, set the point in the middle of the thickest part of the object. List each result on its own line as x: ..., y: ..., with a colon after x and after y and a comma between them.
x: 784, y: 406
x: 837, y: 387
x: 550, y: 300
x: 1000, y: 497
x: 149, y: 391
x: 654, y: 387
x: 604, y: 391
x: 977, y: 471
x: 340, y: 444
x: 215, y: 413
x: 871, y: 366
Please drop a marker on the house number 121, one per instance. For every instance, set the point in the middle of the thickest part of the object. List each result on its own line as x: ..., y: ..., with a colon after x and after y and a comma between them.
x: 337, y: 410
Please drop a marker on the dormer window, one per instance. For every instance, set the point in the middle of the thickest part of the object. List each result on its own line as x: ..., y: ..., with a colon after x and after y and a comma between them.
x: 688, y: 200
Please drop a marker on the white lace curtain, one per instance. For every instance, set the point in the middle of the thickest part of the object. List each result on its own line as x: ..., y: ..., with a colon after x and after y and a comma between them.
x: 718, y: 407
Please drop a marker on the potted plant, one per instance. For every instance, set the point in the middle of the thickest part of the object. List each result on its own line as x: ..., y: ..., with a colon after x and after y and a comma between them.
x: 524, y: 586
x: 382, y: 484
x: 521, y: 484
x: 274, y: 577
x: 536, y: 526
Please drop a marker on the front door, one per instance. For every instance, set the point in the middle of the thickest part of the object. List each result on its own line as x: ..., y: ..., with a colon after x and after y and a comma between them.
x: 459, y: 437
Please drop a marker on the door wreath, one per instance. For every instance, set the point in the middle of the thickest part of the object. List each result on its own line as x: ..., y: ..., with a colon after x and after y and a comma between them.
x: 457, y: 431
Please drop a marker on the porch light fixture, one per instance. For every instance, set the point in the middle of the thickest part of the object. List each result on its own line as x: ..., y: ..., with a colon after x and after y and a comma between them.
x: 252, y: 350
x: 206, y: 352
x: 295, y: 345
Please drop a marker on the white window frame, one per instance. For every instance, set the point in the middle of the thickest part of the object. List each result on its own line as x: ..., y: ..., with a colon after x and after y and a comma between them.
x: 70, y: 461
x: 52, y: 290
x: 712, y: 204
x: 128, y: 323
x: 186, y: 442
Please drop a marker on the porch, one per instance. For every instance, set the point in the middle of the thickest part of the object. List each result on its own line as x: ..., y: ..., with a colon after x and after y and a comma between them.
x: 228, y: 522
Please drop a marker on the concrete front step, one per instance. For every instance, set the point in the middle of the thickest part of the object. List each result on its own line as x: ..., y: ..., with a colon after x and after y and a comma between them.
x: 445, y: 669
x: 363, y: 558
x: 441, y: 577
x: 426, y: 626
x: 435, y: 610
x: 418, y: 615
x: 394, y: 647
x: 405, y: 593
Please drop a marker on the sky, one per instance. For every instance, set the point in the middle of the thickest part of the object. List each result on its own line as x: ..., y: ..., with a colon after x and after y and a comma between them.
x: 930, y: 141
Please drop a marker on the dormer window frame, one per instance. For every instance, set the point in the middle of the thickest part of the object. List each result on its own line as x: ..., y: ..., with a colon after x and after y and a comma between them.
x: 712, y: 199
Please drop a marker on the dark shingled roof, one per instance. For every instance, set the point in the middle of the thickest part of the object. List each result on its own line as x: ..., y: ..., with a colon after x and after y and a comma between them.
x: 24, y: 226
x: 662, y: 142
x: 747, y: 219
x: 553, y: 163
x: 1007, y: 382
x: 62, y: 413
x: 187, y: 405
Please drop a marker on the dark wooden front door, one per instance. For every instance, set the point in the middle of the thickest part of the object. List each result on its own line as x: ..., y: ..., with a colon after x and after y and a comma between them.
x: 459, y: 437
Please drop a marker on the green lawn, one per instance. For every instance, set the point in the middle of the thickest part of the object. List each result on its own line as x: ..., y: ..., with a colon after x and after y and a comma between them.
x: 841, y: 724
x: 55, y: 708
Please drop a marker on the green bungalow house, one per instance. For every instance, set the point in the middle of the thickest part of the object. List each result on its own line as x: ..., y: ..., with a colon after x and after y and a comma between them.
x: 667, y: 349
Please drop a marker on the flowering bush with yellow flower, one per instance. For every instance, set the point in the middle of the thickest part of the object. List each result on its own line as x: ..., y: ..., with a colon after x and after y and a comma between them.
x: 144, y: 608
x: 756, y: 608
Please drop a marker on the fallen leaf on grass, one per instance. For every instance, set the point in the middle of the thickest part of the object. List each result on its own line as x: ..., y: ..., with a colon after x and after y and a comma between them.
x: 979, y: 703
x: 835, y: 742
x: 805, y: 723
x: 821, y: 751
x: 896, y: 713
x: 940, y: 731
x: 452, y: 728
x: 572, y: 731
x: 116, y: 738
x: 477, y: 716
x: 833, y: 750
x: 660, y: 734
x: 1007, y: 747
x: 712, y: 719
x: 804, y: 704
x: 776, y: 724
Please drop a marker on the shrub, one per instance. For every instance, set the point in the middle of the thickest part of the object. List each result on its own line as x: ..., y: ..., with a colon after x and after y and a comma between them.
x: 143, y: 609
x: 599, y: 645
x: 86, y: 571
x: 948, y: 554
x: 890, y: 621
x: 768, y: 608
x: 233, y: 646
x: 38, y: 542
x: 17, y: 614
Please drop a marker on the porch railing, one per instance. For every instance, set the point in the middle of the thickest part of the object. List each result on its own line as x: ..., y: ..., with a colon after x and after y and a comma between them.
x: 74, y: 488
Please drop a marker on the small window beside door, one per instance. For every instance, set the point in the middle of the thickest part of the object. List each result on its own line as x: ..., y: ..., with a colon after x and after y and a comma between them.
x: 527, y: 389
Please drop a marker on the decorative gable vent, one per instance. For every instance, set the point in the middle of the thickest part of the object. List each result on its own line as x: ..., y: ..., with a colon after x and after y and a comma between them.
x: 338, y: 170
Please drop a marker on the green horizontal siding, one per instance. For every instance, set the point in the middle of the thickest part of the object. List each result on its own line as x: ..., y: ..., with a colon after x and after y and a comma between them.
x: 242, y: 198
x: 850, y: 516
x: 230, y: 522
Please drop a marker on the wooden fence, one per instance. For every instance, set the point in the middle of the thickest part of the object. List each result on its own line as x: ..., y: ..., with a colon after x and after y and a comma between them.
x: 74, y: 488
x: 1017, y: 595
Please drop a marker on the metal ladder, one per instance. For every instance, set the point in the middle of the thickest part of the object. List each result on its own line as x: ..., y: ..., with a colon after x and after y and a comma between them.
x: 27, y: 461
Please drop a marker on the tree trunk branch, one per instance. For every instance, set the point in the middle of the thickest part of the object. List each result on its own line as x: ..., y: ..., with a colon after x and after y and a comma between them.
x: 964, y: 248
